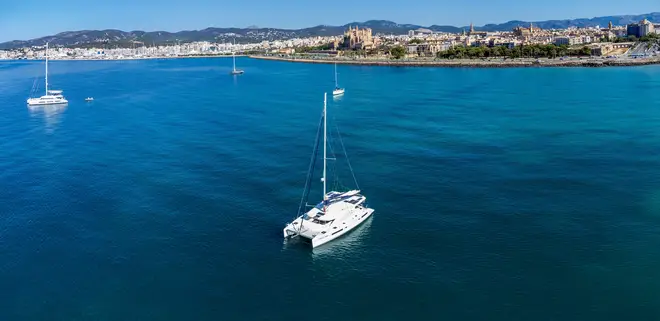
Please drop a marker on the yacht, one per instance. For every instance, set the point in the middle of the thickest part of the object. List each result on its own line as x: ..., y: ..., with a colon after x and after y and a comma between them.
x: 337, y: 214
x: 338, y: 90
x: 235, y: 71
x: 52, y: 97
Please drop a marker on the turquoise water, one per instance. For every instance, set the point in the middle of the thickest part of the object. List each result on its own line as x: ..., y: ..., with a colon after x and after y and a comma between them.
x: 500, y: 194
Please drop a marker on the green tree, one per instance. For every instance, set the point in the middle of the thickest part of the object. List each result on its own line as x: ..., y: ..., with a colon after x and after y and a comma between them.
x: 398, y: 52
x: 585, y: 51
x: 415, y: 41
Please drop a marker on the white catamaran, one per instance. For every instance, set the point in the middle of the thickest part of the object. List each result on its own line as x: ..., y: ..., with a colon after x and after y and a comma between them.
x: 52, y: 97
x: 337, y: 91
x: 338, y: 212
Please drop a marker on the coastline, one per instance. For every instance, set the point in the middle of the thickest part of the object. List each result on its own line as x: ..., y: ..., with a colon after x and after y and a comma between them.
x: 473, y: 63
x: 127, y: 59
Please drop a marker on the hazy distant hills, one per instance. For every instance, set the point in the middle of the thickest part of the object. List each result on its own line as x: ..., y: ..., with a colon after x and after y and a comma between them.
x: 86, y: 38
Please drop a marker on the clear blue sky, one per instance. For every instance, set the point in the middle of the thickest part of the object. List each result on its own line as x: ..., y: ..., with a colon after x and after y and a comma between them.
x: 26, y: 19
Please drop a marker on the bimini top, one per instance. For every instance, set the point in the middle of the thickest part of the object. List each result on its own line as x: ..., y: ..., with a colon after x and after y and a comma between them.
x: 55, y: 92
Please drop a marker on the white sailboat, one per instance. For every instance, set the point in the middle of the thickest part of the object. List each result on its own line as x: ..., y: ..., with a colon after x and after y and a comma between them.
x: 235, y: 71
x: 52, y: 97
x: 337, y: 214
x: 337, y: 91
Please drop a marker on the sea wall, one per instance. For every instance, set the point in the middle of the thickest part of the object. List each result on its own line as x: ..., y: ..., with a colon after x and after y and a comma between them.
x: 472, y: 63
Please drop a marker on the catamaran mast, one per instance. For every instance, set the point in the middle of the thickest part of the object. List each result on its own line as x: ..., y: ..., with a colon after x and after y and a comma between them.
x: 325, y: 138
x: 46, y: 68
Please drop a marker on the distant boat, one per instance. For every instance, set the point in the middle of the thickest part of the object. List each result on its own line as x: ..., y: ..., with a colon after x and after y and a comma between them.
x: 52, y: 97
x: 89, y: 99
x: 235, y: 71
x: 338, y: 213
x: 337, y: 91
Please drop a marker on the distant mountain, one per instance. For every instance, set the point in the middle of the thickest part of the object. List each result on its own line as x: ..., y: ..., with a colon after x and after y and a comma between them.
x: 252, y: 34
x: 581, y: 23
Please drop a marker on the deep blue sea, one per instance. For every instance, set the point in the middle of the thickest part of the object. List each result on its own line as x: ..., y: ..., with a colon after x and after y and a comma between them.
x: 500, y: 194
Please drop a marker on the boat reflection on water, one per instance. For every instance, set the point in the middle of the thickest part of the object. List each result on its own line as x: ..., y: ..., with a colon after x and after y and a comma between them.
x: 51, y: 114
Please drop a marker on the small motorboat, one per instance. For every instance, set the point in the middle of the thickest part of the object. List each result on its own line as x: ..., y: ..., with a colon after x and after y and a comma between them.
x: 89, y: 99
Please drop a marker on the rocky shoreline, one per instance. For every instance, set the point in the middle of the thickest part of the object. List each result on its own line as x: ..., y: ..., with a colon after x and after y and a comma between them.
x: 474, y: 63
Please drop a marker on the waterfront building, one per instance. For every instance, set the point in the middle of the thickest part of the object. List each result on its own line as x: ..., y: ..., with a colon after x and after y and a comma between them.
x: 425, y: 49
x: 641, y: 29
x: 559, y: 41
x: 605, y: 48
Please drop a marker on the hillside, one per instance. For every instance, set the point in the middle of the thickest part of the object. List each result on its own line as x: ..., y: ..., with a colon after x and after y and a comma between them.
x: 85, y: 38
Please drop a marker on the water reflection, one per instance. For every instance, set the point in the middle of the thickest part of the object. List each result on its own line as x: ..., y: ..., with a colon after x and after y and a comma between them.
x: 51, y: 114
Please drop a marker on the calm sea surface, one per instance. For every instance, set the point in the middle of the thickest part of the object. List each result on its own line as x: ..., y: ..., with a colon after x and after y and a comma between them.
x: 500, y: 194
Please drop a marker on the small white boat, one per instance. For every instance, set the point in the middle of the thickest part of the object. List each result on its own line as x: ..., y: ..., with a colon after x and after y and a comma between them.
x: 52, y: 97
x: 337, y: 214
x: 89, y: 99
x: 338, y: 90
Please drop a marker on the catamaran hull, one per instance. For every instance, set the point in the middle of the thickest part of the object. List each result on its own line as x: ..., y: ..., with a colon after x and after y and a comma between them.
x: 351, y: 225
x: 320, y: 237
x: 41, y: 103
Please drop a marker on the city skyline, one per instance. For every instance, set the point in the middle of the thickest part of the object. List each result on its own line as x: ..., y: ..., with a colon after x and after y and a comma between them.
x: 22, y: 21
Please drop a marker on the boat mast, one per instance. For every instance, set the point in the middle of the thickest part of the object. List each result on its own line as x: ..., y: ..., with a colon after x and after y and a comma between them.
x: 325, y: 138
x: 336, y: 83
x: 233, y: 54
x: 46, y: 68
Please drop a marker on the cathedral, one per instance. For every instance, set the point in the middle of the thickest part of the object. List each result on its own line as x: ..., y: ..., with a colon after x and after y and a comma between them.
x: 524, y: 32
x: 358, y: 39
x: 476, y: 33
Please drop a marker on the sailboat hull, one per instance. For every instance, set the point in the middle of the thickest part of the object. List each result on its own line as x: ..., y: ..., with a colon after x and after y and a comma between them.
x: 237, y: 72
x: 338, y: 92
x: 359, y: 218
x: 340, y: 214
x: 47, y: 100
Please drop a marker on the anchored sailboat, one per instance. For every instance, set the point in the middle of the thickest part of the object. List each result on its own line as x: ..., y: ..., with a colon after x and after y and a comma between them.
x: 338, y: 212
x: 235, y: 71
x: 337, y: 91
x: 52, y: 97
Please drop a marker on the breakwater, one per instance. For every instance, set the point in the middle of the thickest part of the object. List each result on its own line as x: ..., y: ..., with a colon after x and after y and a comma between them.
x: 471, y: 63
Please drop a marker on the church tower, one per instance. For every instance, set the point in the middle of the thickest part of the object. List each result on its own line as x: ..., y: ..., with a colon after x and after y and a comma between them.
x: 609, y: 25
x: 471, y: 27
